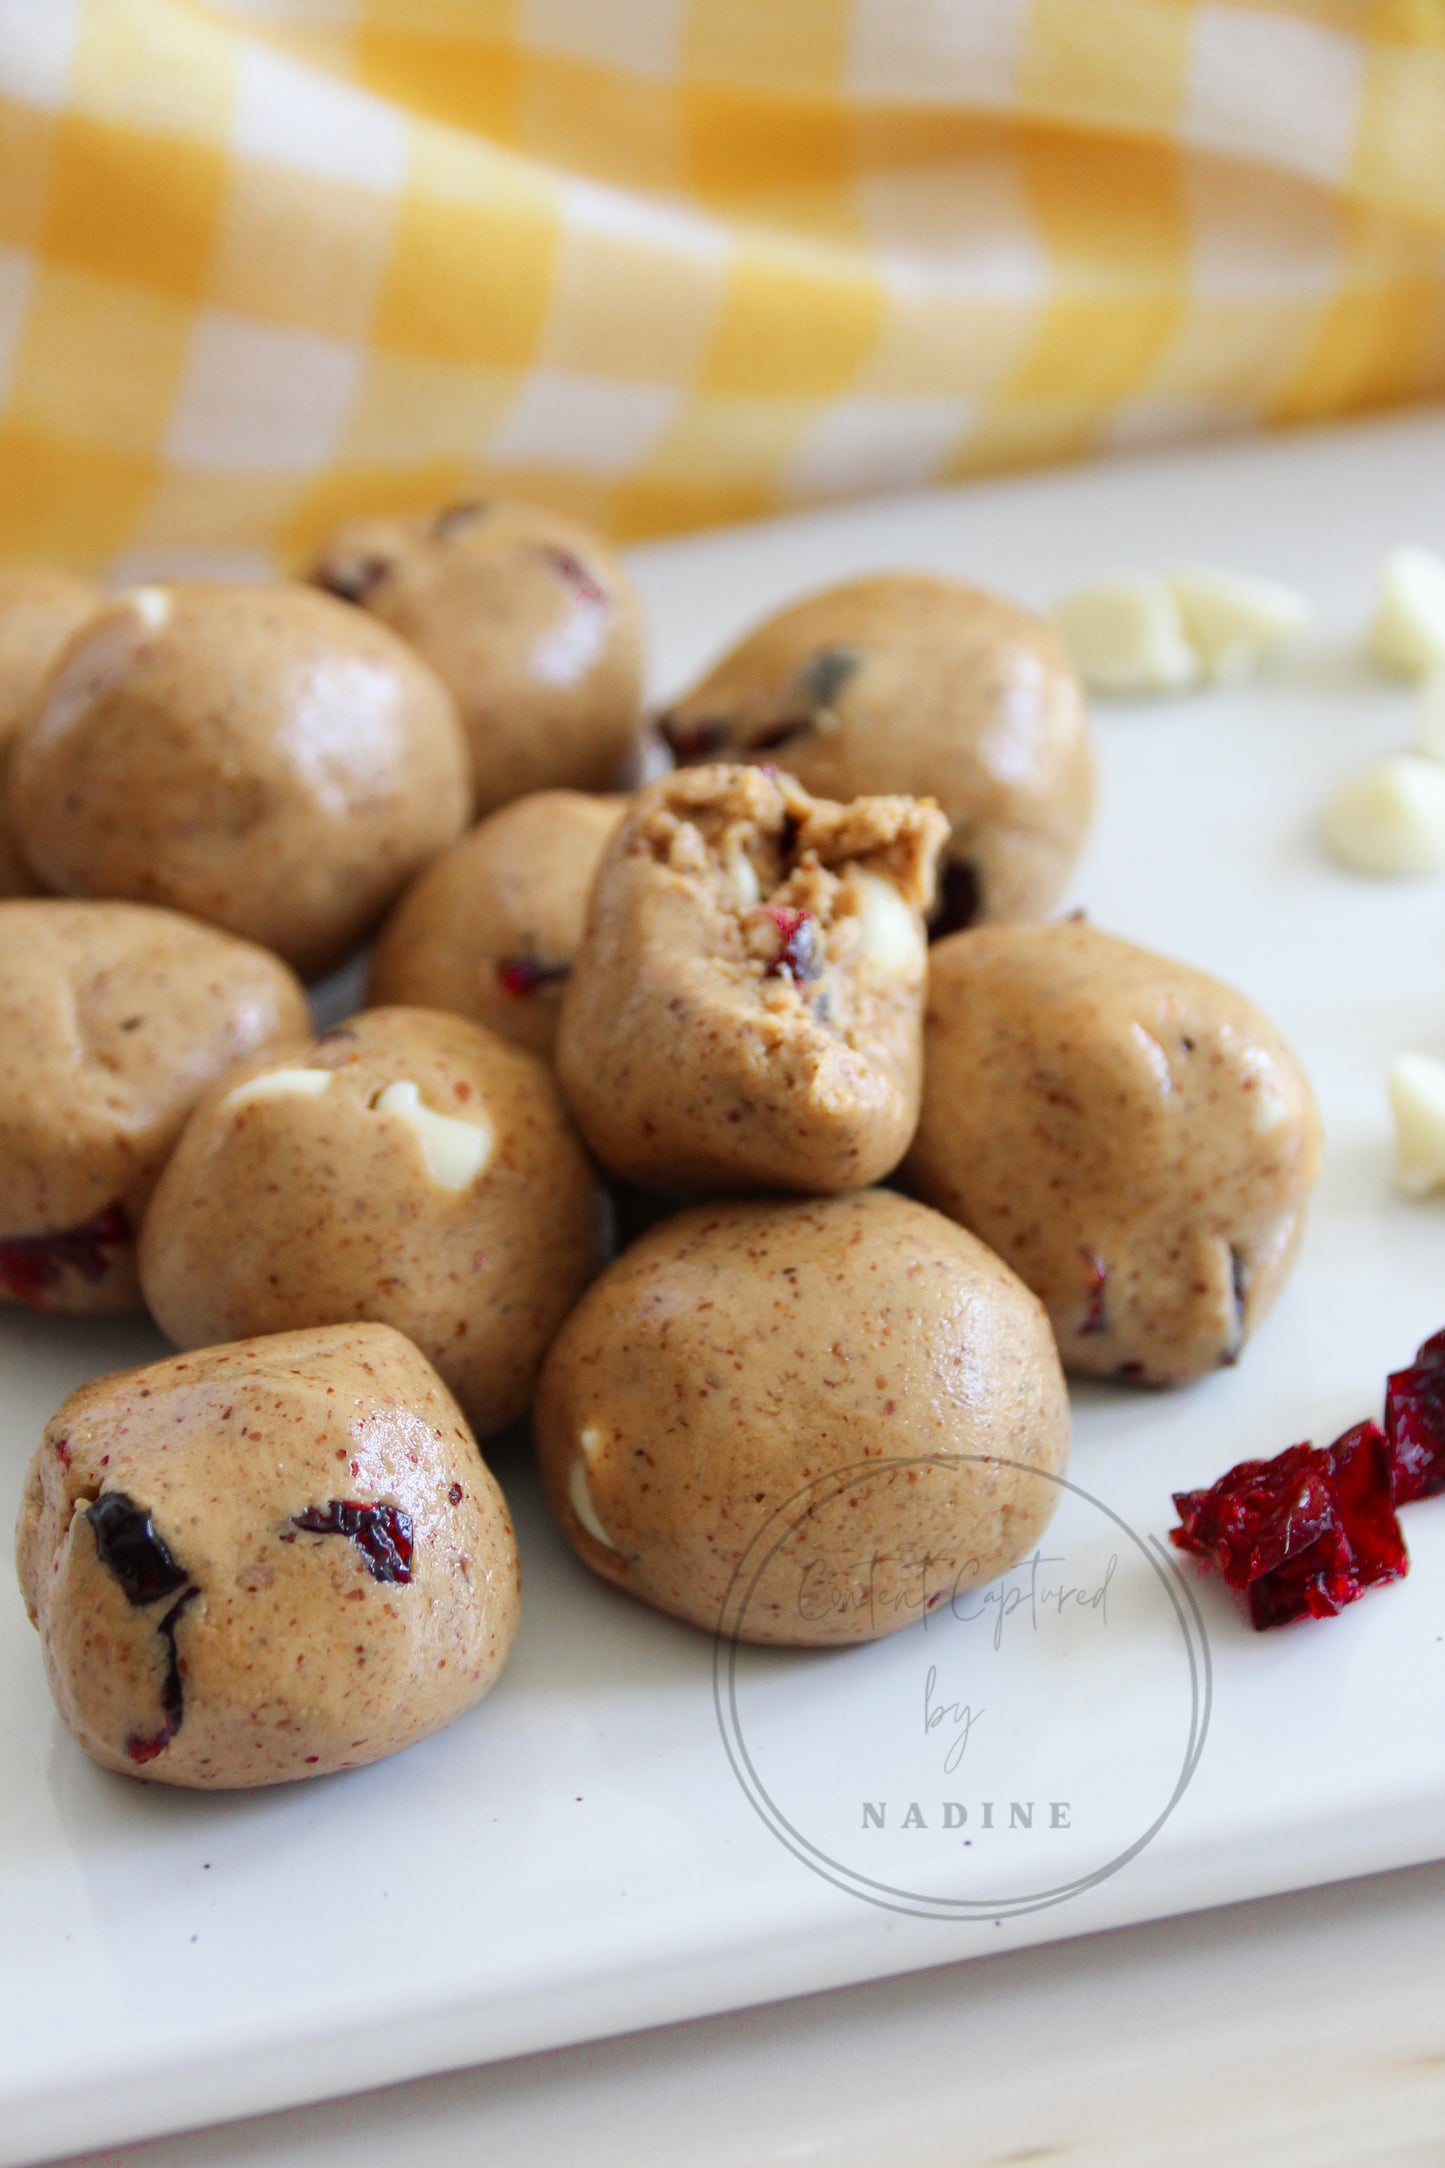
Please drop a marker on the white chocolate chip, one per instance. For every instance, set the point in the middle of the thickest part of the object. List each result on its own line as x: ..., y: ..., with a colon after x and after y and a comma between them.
x: 455, y: 1150
x: 152, y: 605
x: 1271, y: 1112
x: 1408, y: 634
x: 1127, y: 635
x: 744, y: 876
x: 1417, y: 1101
x: 1431, y: 737
x: 1391, y: 819
x: 1235, y: 622
x: 580, y: 1497
x: 280, y: 1084
x: 893, y: 941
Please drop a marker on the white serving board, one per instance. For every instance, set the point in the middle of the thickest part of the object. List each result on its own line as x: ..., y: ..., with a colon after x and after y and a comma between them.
x: 578, y: 1856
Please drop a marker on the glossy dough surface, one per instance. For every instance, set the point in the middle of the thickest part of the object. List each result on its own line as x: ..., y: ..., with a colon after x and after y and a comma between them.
x: 411, y: 1168
x: 195, y: 1631
x: 743, y: 1351
x: 1134, y: 1137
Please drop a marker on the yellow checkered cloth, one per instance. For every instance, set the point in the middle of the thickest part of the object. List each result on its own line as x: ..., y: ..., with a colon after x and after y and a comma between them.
x: 264, y: 263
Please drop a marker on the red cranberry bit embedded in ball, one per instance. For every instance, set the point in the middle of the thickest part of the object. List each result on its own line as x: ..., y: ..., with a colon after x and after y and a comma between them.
x: 382, y: 1534
x: 800, y: 952
x: 522, y: 975
x: 32, y: 1266
x: 1095, y: 1317
x: 1415, y: 1423
x: 575, y: 573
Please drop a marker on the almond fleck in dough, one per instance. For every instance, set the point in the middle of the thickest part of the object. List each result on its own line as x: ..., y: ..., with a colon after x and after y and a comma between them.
x: 430, y: 1181
x: 40, y: 608
x: 115, y: 1018
x: 528, y: 619
x: 1133, y: 1137
x: 749, y: 1359
x: 492, y: 928
x: 910, y: 682
x: 266, y: 1561
x: 709, y: 1041
x: 261, y: 757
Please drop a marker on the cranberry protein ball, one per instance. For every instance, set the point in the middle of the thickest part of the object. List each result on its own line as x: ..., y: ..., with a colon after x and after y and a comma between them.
x: 261, y: 757
x: 491, y: 929
x: 854, y: 1380
x: 266, y: 1561
x: 1133, y: 1137
x: 530, y: 621
x: 409, y: 1168
x: 915, y: 683
x: 114, y: 1019
x: 745, y: 1010
x: 39, y: 609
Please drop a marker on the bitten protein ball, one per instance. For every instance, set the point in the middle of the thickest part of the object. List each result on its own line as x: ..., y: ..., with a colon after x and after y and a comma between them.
x: 39, y: 609
x: 745, y: 1011
x: 1134, y: 1138
x: 911, y: 682
x: 409, y: 1168
x: 266, y: 1561
x: 493, y: 926
x: 114, y: 1019
x: 795, y: 1372
x: 261, y: 757
x: 530, y: 621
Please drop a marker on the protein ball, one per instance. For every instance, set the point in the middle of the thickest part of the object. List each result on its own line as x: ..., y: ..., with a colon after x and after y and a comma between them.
x: 799, y: 1367
x: 261, y: 757
x: 39, y: 609
x: 266, y: 1561
x: 912, y: 682
x: 491, y: 929
x: 409, y: 1168
x: 531, y: 622
x: 1133, y: 1137
x: 114, y: 1020
x: 745, y: 1011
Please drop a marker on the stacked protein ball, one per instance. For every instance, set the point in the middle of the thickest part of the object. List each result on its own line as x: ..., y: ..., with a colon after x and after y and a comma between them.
x: 799, y: 1406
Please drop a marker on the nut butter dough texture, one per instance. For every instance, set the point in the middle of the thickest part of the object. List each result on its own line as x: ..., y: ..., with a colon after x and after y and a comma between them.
x: 265, y: 1561
x: 745, y: 1010
x: 912, y: 682
x: 492, y: 928
x: 39, y: 609
x: 721, y: 1376
x: 262, y: 757
x: 1133, y: 1137
x: 528, y: 619
x: 114, y: 1019
x: 410, y: 1168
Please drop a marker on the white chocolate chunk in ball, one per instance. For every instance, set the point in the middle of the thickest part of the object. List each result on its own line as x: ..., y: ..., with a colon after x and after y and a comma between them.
x: 893, y: 942
x: 152, y: 605
x: 580, y: 1497
x: 1126, y: 635
x: 1417, y: 1101
x: 744, y: 876
x: 1431, y: 735
x: 1391, y: 819
x: 1235, y: 622
x: 1408, y: 635
x: 279, y: 1084
x: 456, y: 1150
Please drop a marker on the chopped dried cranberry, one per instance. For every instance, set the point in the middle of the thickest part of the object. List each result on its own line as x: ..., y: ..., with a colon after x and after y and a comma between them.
x: 353, y: 579
x: 695, y: 741
x: 143, y: 1746
x: 780, y: 733
x: 127, y: 1545
x: 825, y: 674
x: 575, y: 573
x: 1415, y: 1423
x: 382, y: 1534
x: 32, y: 1266
x: 454, y: 517
x: 524, y: 974
x: 960, y: 899
x: 1095, y: 1317
x: 800, y: 954
x: 454, y: 1495
x: 1305, y: 1533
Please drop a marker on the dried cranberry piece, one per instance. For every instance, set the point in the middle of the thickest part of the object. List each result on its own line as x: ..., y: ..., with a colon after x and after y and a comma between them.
x: 145, y: 1746
x: 32, y: 1266
x: 1415, y: 1423
x: 128, y: 1545
x: 452, y: 518
x: 783, y: 732
x: 824, y: 674
x: 695, y: 741
x: 353, y: 579
x: 382, y: 1534
x: 575, y: 573
x: 960, y: 899
x: 1095, y: 1316
x: 800, y: 954
x: 1305, y: 1533
x: 522, y: 975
